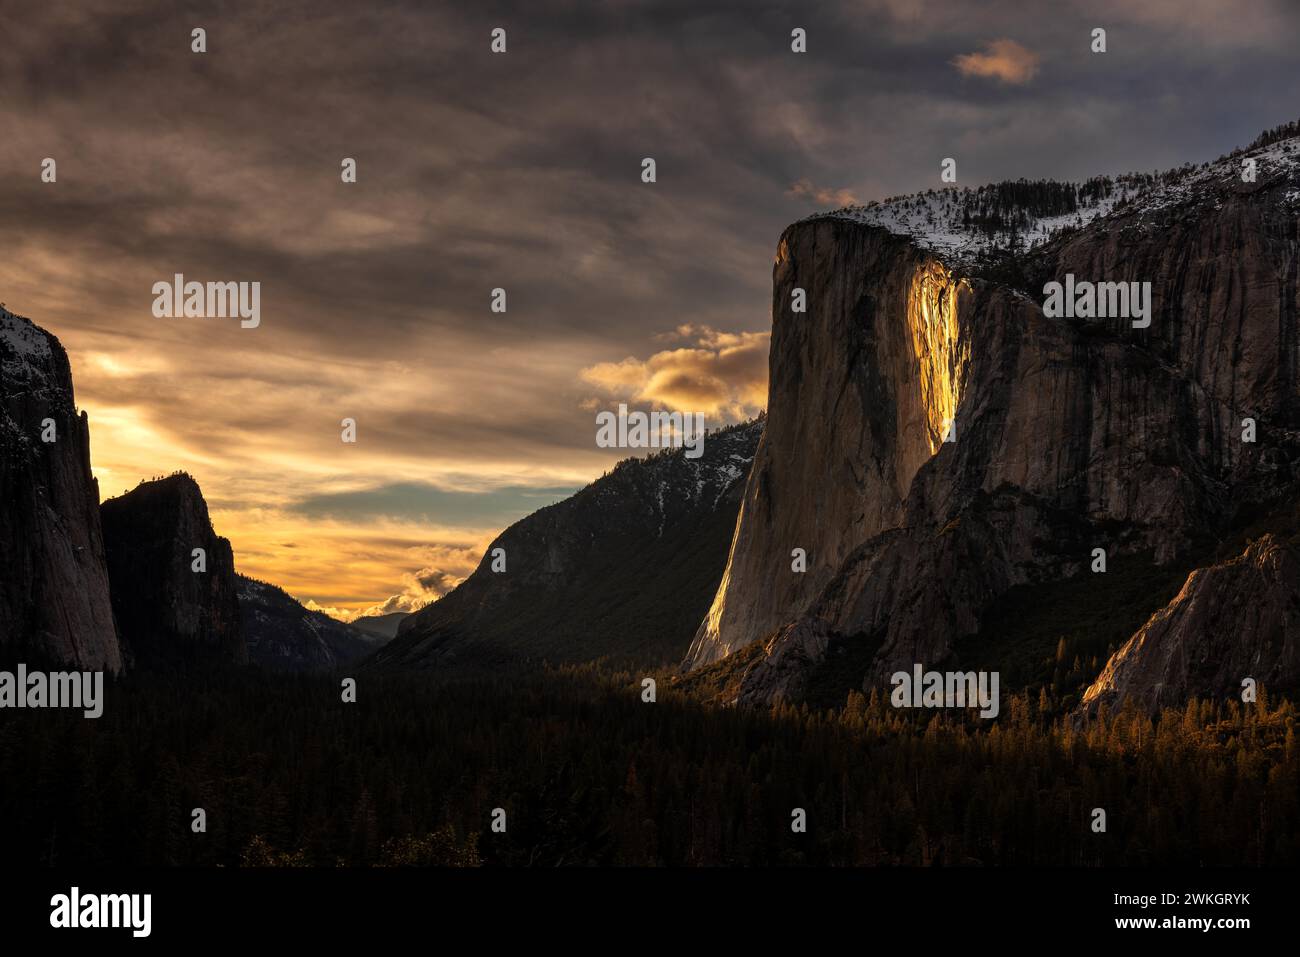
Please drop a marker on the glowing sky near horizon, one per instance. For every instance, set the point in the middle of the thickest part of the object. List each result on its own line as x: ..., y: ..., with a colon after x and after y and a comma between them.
x: 520, y: 171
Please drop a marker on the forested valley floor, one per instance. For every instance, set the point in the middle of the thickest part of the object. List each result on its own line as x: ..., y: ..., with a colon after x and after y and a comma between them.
x: 587, y: 773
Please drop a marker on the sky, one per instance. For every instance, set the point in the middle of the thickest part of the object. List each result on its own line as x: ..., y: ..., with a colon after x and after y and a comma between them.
x: 521, y: 171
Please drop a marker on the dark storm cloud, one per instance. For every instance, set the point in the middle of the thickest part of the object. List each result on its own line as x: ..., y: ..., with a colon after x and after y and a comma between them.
x: 481, y: 170
x: 520, y: 171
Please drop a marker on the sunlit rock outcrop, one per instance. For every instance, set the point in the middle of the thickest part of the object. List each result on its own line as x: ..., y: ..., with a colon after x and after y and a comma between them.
x: 1232, y: 621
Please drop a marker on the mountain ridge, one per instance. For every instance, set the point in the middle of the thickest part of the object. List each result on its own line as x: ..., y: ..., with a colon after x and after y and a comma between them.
x: 284, y: 635
x: 617, y: 572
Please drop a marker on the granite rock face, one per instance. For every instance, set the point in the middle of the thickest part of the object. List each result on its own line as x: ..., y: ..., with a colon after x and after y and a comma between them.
x: 54, y: 587
x: 1234, y: 620
x: 860, y: 387
x: 169, y: 615
x: 1070, y: 434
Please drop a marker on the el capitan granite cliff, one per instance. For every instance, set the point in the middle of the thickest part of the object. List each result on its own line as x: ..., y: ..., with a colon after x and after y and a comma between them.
x: 1070, y: 434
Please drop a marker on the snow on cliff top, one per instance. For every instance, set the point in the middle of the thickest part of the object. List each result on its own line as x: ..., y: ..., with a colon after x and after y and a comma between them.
x: 963, y: 224
x: 24, y: 360
x: 22, y: 337
x: 24, y: 352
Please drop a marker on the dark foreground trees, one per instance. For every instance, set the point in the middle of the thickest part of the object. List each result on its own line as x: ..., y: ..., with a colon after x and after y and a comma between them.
x: 587, y: 773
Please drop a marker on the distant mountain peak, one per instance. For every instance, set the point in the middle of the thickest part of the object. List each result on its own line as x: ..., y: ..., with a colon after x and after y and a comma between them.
x: 381, y: 626
x: 284, y: 635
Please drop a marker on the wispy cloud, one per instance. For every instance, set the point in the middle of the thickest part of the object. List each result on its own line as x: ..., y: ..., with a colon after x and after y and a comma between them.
x: 419, y: 588
x: 225, y: 166
x: 821, y: 195
x: 1004, y: 60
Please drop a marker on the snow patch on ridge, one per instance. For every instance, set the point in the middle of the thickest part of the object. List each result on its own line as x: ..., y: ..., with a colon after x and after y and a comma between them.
x: 23, y: 340
x: 964, y: 225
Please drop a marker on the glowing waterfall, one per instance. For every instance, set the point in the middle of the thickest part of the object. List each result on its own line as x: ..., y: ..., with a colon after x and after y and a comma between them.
x: 941, y: 355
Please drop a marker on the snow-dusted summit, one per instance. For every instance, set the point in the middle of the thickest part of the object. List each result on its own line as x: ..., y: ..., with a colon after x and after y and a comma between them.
x: 966, y: 226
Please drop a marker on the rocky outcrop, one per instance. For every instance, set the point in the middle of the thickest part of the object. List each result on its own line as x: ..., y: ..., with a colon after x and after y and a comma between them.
x: 284, y: 636
x: 1233, y: 620
x: 173, y: 611
x: 54, y: 589
x: 1070, y: 434
x: 620, y: 572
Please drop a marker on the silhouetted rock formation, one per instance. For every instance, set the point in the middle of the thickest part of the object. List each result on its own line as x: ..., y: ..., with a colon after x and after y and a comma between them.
x: 54, y: 592
x: 168, y: 614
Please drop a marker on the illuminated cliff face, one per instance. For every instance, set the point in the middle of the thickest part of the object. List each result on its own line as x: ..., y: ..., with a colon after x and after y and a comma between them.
x: 864, y: 386
x: 1066, y: 432
x: 930, y: 392
x: 708, y: 643
x: 941, y: 355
